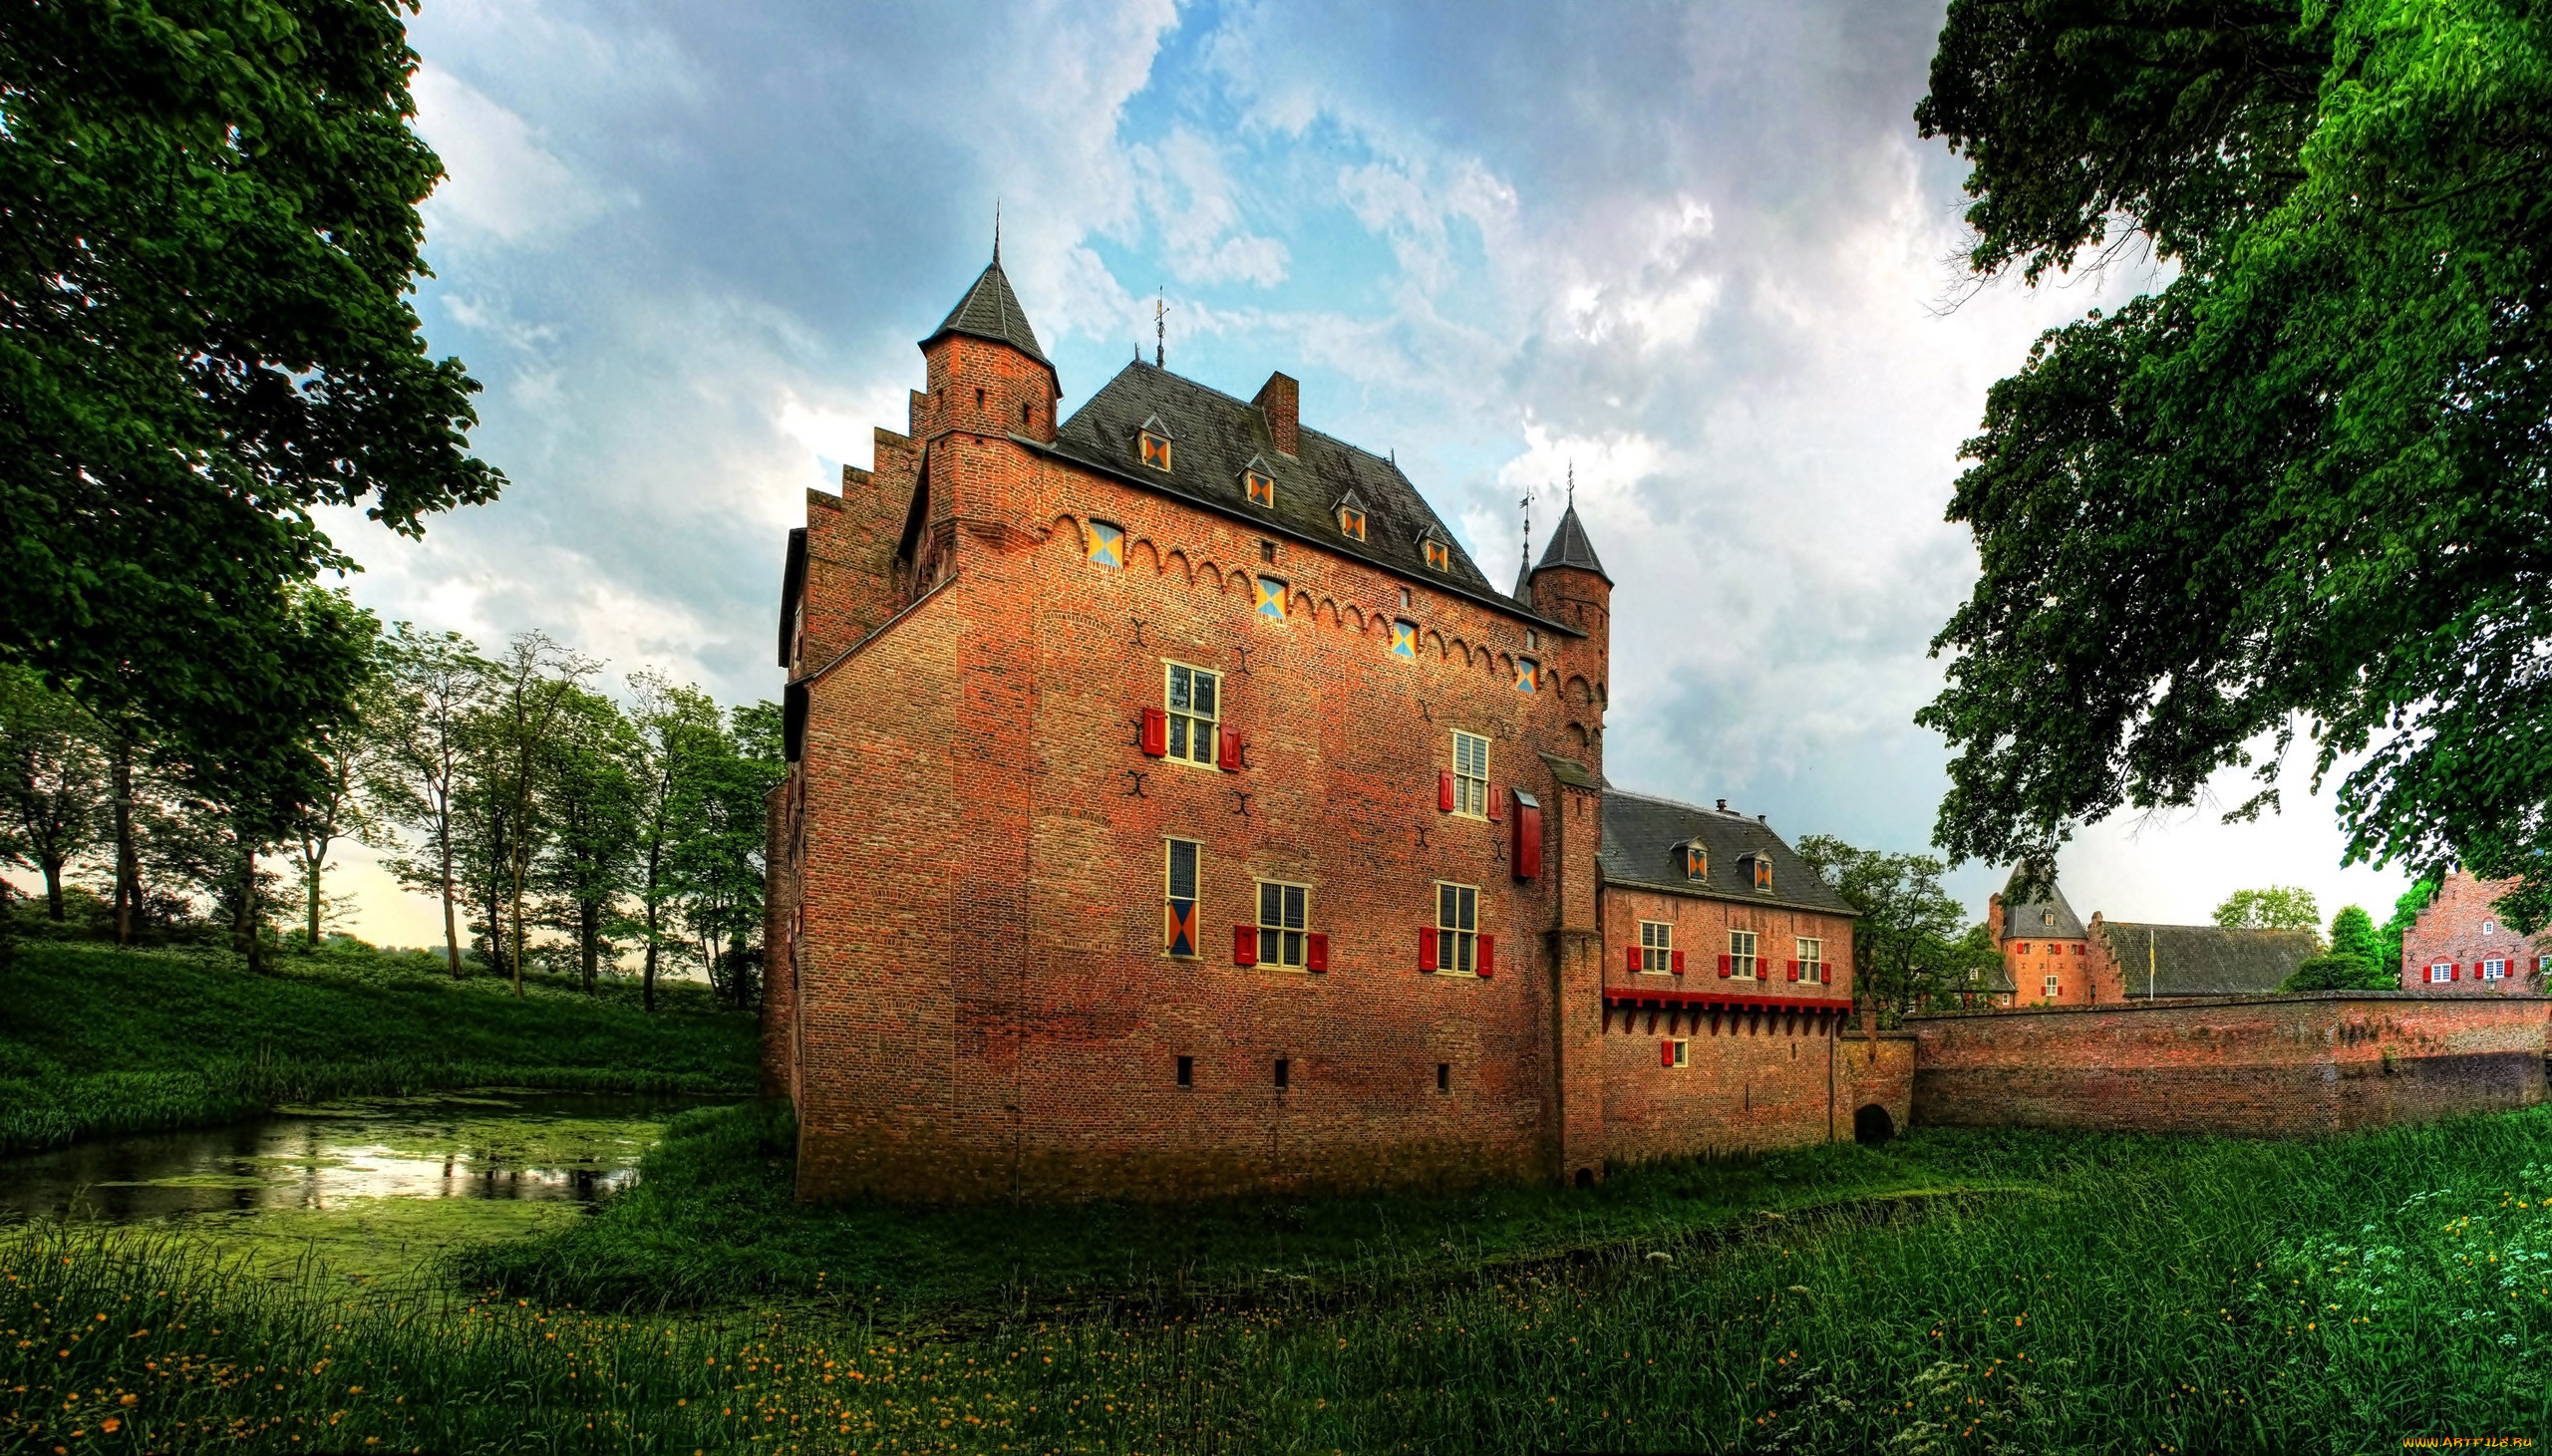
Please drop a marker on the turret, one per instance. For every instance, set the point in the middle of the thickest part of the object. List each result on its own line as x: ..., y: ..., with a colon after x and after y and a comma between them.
x: 986, y: 376
x: 1570, y: 586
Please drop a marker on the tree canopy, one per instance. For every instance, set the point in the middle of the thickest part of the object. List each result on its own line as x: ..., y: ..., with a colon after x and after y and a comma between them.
x: 2278, y: 907
x: 206, y: 333
x: 2300, y: 488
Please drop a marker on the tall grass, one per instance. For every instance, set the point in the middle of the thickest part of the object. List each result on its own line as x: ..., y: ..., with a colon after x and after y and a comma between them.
x: 98, y: 1041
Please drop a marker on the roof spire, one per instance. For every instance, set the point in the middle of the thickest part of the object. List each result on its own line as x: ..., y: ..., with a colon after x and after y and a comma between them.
x: 1572, y: 466
x: 995, y: 233
x: 1161, y: 328
x: 1527, y: 504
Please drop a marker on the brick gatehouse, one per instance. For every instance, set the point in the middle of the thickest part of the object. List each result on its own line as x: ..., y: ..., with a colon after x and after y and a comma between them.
x: 1175, y: 808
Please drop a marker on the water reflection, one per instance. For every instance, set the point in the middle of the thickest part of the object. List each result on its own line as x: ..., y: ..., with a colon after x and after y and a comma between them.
x: 521, y: 1147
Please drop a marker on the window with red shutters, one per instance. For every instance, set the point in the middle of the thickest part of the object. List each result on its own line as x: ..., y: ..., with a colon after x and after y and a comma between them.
x: 1723, y: 967
x: 1316, y: 956
x: 1794, y: 970
x: 1444, y: 790
x: 1426, y: 948
x: 1631, y: 957
x: 1664, y: 1054
x: 1229, y: 749
x: 1679, y: 962
x: 1488, y: 965
x: 1156, y: 733
x: 1244, y: 945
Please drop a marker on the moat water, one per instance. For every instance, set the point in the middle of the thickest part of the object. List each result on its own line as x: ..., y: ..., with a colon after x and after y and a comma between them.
x: 363, y: 1187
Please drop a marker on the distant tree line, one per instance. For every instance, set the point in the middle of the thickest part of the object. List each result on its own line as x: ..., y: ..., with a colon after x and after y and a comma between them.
x: 556, y: 826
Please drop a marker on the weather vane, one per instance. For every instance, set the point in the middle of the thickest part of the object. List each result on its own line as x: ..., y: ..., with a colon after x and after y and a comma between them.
x: 1161, y: 329
x: 1528, y: 503
x: 1572, y: 482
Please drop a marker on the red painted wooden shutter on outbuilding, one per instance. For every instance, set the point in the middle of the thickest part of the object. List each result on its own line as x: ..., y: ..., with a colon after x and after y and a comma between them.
x: 1485, y: 960
x: 1244, y: 945
x: 1722, y: 968
x: 2454, y: 972
x: 1316, y: 951
x: 1444, y: 790
x: 1228, y: 751
x: 1679, y: 962
x: 1156, y: 732
x: 1497, y: 804
x: 1794, y: 970
x: 1528, y: 852
x: 1426, y: 948
x: 1664, y: 1054
x: 1630, y: 957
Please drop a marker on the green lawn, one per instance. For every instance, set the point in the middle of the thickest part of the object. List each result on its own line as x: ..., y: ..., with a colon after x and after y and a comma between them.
x: 2083, y: 1293
x: 97, y: 1040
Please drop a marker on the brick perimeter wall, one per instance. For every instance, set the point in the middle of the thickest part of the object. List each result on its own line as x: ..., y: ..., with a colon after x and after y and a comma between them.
x: 2266, y: 1067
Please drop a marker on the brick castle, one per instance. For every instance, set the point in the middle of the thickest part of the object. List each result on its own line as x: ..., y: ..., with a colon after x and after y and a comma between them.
x: 1175, y: 808
x: 2462, y: 946
x: 2052, y: 956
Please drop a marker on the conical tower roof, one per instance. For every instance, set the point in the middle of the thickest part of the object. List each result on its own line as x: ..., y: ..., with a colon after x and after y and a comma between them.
x: 1569, y: 547
x: 991, y: 311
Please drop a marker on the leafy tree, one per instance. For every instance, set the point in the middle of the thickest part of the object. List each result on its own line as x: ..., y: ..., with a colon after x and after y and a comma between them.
x: 1907, y: 941
x: 531, y: 689
x: 679, y: 736
x: 2405, y: 914
x: 336, y: 808
x: 434, y: 685
x: 589, y: 774
x: 205, y: 335
x: 2278, y: 907
x: 717, y: 863
x: 2355, y: 960
x: 2297, y: 489
x: 52, y: 792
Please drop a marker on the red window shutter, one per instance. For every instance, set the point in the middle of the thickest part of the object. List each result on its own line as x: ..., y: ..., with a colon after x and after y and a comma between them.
x: 1724, y: 969
x: 1244, y: 945
x: 1630, y: 957
x: 1484, y: 957
x: 1156, y: 732
x: 2454, y: 972
x: 1794, y: 970
x: 1679, y: 962
x: 1444, y: 790
x: 1497, y: 804
x: 1664, y: 1054
x: 1528, y: 853
x: 1316, y: 951
x: 1426, y: 948
x: 1227, y: 749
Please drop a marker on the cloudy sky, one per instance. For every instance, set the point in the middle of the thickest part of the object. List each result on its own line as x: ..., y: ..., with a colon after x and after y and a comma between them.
x: 1695, y: 249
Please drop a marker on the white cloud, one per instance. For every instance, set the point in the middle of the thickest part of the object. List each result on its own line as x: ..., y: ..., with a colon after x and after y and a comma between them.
x: 500, y: 181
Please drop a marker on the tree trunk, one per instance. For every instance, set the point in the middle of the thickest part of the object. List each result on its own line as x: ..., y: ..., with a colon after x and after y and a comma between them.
x: 450, y: 927
x: 588, y: 938
x: 252, y: 944
x: 52, y: 886
x: 518, y: 952
x: 314, y: 904
x: 128, y: 859
x: 647, y: 994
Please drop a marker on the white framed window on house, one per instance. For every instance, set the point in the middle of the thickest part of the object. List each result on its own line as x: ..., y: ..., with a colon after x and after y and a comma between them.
x: 2494, y: 969
x: 1811, y: 959
x: 1471, y: 774
x: 1740, y: 953
x: 1656, y: 945
x: 2441, y: 971
x: 1456, y: 927
x: 2050, y: 988
x: 1195, y: 700
x: 1284, y: 923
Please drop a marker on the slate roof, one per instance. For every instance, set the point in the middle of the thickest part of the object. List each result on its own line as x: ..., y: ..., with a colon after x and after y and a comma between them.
x: 2028, y: 920
x: 1643, y: 839
x: 2204, y: 960
x: 1569, y: 547
x: 991, y: 311
x: 1214, y: 437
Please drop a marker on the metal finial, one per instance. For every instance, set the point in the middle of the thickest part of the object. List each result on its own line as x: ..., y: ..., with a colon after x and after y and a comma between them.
x: 1572, y: 482
x: 995, y: 233
x: 1528, y: 503
x: 1161, y: 329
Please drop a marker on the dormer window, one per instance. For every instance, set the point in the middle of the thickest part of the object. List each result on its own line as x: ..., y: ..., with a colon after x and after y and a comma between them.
x: 1151, y: 444
x: 1440, y: 558
x: 1763, y: 865
x: 2046, y: 917
x: 1258, y: 483
x: 1351, y: 516
x: 1697, y: 861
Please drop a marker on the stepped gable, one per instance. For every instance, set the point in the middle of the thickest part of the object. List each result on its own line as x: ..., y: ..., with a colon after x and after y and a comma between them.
x: 2048, y: 918
x: 2204, y: 960
x: 1570, y: 547
x: 1214, y: 437
x: 1643, y: 846
x: 991, y: 311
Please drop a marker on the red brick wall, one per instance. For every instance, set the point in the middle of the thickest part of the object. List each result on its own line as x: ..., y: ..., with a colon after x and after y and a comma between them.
x: 1701, y: 932
x: 2258, y: 1066
x: 2461, y: 929
x: 1751, y: 1080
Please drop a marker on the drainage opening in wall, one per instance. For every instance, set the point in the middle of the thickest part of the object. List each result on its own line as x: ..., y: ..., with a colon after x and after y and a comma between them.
x: 1585, y: 1177
x: 1871, y: 1125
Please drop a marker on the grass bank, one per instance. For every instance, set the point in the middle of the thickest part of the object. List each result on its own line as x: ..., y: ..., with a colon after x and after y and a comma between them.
x: 2145, y: 1296
x: 97, y: 1040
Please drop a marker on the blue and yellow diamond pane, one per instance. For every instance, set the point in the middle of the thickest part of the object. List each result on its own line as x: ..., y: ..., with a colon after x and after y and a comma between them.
x: 1405, y: 640
x: 1271, y: 597
x: 1528, y: 675
x: 1106, y: 545
x: 1182, y: 927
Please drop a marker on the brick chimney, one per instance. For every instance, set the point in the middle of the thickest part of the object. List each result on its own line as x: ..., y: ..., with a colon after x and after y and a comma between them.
x: 1281, y: 401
